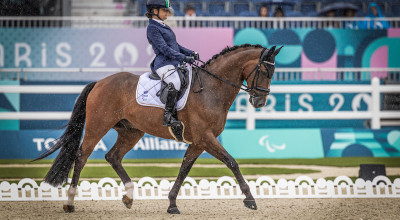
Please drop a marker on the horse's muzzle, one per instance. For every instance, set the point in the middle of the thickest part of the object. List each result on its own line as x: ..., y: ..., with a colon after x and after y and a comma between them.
x: 258, y: 101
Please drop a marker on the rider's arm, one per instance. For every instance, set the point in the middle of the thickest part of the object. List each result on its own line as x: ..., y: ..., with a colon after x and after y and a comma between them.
x: 185, y: 51
x: 158, y: 42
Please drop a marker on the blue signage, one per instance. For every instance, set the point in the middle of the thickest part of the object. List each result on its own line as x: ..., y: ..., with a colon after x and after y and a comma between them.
x: 29, y: 144
x: 273, y: 143
x: 240, y: 143
x: 350, y: 142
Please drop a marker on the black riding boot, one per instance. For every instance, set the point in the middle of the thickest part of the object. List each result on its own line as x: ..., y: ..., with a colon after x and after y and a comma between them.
x: 170, y: 103
x: 175, y: 127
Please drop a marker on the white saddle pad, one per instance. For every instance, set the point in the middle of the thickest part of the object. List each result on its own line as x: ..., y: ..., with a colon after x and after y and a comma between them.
x: 147, y: 89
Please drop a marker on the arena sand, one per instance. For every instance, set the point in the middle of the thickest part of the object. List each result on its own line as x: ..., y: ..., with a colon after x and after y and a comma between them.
x: 209, y: 209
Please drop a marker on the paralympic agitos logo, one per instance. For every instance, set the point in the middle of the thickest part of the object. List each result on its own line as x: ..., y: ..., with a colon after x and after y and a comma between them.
x: 264, y: 142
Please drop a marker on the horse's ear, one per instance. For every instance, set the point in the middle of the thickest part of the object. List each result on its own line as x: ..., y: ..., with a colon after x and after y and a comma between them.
x: 271, y: 51
x: 277, y: 51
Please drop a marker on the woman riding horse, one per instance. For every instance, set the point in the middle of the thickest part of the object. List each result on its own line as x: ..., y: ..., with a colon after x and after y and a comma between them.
x: 169, y: 54
x: 97, y: 110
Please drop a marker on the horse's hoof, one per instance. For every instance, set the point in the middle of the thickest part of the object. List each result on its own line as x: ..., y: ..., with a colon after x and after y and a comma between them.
x: 69, y: 208
x: 251, y: 204
x: 127, y: 201
x: 173, y: 210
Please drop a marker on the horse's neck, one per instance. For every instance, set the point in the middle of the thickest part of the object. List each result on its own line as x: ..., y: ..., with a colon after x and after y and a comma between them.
x: 229, y: 68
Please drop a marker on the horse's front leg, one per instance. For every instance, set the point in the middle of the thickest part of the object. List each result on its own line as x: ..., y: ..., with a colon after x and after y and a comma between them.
x: 214, y: 147
x: 192, y: 153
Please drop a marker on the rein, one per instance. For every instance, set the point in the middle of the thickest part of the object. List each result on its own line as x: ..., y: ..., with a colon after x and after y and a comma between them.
x: 246, y: 89
x: 256, y: 70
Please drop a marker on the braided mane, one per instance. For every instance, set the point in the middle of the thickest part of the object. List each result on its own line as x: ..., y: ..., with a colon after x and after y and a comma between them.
x: 229, y: 49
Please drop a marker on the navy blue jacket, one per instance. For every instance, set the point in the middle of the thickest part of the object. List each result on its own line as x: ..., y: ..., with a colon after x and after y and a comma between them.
x: 167, y: 50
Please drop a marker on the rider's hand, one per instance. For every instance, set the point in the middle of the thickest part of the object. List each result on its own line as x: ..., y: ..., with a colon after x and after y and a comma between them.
x: 196, y: 56
x: 188, y: 59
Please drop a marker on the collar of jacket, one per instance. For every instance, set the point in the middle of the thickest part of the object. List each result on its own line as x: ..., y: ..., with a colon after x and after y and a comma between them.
x: 151, y: 21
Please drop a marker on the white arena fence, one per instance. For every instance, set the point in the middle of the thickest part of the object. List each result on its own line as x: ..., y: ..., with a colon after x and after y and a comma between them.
x: 281, y: 74
x: 374, y: 113
x: 224, y: 188
x: 219, y: 22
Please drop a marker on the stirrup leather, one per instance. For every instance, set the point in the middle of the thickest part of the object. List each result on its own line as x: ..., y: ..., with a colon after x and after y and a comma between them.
x: 177, y: 130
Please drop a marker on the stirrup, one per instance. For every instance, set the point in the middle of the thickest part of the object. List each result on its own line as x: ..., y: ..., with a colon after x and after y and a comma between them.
x: 177, y: 130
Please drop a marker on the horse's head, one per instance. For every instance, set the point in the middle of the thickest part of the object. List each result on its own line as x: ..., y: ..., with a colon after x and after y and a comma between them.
x: 259, y: 79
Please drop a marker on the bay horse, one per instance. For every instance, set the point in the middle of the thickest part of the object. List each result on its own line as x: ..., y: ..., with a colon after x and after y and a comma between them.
x: 111, y: 103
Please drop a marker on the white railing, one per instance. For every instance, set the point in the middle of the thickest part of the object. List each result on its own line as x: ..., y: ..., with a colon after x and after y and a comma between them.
x: 375, y: 114
x: 224, y: 188
x: 233, y: 22
x: 281, y: 74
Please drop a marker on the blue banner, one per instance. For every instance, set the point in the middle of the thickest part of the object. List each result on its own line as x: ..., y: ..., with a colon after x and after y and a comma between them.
x: 98, y: 47
x: 350, y: 142
x: 29, y: 144
x: 240, y: 143
x: 309, y: 47
x: 273, y: 143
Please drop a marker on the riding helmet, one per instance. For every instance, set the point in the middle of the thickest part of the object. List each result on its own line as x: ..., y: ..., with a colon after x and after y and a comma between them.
x: 157, y: 4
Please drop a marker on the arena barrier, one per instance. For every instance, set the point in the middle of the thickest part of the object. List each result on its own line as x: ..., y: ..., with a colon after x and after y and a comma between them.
x: 389, y: 75
x: 224, y: 188
x: 375, y: 114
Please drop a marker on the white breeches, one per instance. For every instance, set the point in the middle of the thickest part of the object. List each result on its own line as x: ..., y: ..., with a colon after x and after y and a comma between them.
x: 170, y: 75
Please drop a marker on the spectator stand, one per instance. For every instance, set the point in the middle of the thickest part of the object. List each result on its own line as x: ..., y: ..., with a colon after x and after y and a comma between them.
x: 98, y: 7
x: 309, y: 8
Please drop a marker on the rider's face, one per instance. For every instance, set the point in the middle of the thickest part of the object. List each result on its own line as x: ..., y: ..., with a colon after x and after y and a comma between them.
x: 163, y: 13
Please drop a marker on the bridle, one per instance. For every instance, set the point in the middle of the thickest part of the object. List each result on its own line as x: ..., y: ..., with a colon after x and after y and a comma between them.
x: 256, y: 70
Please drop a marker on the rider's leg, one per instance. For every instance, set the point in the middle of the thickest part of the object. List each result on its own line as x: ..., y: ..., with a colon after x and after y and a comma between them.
x: 170, y: 106
x: 169, y: 74
x: 175, y: 127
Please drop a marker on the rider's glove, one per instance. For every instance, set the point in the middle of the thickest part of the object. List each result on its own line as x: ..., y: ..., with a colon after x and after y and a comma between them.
x: 196, y: 56
x: 188, y: 59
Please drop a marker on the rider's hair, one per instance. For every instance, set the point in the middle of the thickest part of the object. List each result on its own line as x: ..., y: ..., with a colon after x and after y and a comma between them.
x: 148, y: 15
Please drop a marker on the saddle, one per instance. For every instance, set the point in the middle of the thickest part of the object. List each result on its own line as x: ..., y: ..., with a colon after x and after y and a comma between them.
x: 183, y: 76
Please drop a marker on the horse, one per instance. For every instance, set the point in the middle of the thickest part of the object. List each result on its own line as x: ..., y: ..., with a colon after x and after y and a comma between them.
x: 110, y: 103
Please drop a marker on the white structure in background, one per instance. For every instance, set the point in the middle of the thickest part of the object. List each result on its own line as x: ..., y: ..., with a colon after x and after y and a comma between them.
x: 88, y: 20
x: 224, y: 188
x: 375, y: 114
x: 91, y: 21
x: 97, y: 8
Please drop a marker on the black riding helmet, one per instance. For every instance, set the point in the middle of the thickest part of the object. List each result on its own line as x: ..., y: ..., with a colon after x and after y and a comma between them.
x: 157, y: 4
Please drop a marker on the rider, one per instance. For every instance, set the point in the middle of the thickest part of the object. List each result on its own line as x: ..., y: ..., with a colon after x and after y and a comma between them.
x: 169, y: 55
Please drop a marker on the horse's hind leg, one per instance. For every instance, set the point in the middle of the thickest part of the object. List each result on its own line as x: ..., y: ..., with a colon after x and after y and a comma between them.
x: 214, y: 147
x: 127, y: 138
x: 192, y: 153
x: 91, y: 138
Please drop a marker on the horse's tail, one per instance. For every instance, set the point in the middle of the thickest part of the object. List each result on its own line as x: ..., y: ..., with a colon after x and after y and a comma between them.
x: 69, y: 142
